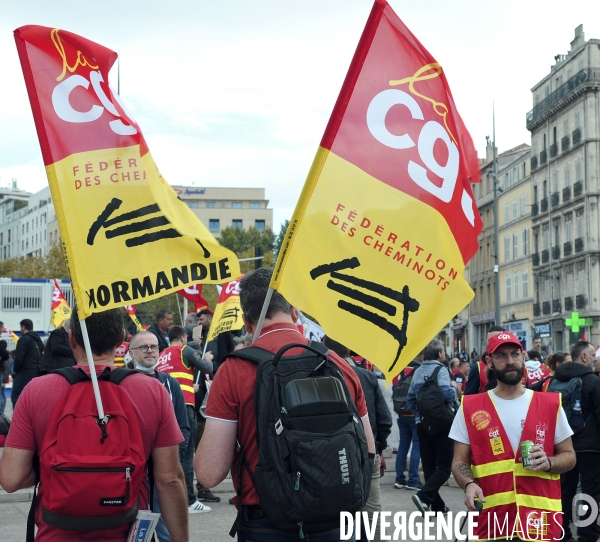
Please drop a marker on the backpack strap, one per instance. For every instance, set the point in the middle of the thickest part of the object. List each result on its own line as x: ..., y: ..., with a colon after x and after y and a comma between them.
x: 116, y: 376
x: 254, y: 354
x: 72, y: 375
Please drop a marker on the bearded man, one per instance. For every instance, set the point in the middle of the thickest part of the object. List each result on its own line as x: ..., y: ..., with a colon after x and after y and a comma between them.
x: 521, y: 494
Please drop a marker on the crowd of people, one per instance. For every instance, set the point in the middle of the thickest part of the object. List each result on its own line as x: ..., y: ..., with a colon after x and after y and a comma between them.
x: 196, y: 403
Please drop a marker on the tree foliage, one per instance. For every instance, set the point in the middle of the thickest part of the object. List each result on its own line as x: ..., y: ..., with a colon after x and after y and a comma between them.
x: 51, y: 266
x: 239, y: 240
x: 280, y: 238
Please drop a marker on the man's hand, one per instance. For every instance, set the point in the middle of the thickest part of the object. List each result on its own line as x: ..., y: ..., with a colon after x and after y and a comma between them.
x: 539, y: 457
x: 472, y: 492
x: 208, y: 356
x: 382, y: 467
x: 196, y: 388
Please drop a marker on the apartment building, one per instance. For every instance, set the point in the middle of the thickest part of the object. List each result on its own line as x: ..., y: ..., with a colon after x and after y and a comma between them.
x: 565, y: 175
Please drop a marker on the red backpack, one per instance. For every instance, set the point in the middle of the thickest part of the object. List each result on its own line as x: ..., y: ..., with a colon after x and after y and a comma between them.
x: 92, y: 472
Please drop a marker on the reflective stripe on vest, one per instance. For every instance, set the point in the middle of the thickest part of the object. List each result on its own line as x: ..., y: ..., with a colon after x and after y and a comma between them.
x: 509, y: 489
x: 171, y: 361
x: 481, y: 366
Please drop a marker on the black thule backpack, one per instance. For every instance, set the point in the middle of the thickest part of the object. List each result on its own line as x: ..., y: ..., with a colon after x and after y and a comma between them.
x: 313, y: 461
x: 436, y: 415
x: 400, y: 393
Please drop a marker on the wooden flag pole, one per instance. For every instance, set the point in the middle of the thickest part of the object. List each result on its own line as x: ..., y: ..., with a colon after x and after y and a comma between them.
x: 90, y: 359
x: 263, y: 314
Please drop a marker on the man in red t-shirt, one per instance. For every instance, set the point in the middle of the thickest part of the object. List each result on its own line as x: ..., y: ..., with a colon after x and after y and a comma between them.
x: 230, y: 413
x: 160, y: 433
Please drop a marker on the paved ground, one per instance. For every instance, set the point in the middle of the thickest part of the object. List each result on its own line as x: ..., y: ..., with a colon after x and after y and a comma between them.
x: 214, y: 526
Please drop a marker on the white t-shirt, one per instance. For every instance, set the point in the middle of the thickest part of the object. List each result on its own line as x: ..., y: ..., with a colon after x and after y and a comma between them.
x: 512, y: 414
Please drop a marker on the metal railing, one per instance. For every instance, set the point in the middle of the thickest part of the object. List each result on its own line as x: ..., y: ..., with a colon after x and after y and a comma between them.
x: 582, y: 79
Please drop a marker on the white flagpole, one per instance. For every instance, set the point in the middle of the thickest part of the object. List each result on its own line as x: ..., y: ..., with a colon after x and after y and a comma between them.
x: 185, y: 309
x: 90, y: 360
x: 263, y: 314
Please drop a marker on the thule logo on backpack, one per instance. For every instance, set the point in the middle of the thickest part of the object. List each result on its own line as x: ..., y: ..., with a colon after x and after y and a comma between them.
x: 344, y: 466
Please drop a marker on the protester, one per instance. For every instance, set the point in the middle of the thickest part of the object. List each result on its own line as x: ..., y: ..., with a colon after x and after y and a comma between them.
x: 556, y: 360
x: 473, y: 356
x: 28, y: 355
x: 191, y: 321
x: 586, y: 442
x: 180, y: 361
x: 436, y: 450
x: 478, y: 376
x: 57, y: 352
x: 158, y: 426
x: 143, y: 349
x: 536, y: 370
x: 164, y: 320
x: 380, y: 419
x: 537, y: 346
x: 459, y: 369
x: 205, y: 320
x: 4, y: 371
x: 231, y: 415
x: 487, y: 457
x: 408, y: 435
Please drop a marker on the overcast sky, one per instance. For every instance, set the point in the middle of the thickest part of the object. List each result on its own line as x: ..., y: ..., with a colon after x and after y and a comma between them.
x: 239, y: 93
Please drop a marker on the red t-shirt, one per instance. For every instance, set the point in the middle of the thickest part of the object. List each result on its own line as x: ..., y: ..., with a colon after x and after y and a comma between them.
x: 158, y: 426
x: 231, y: 397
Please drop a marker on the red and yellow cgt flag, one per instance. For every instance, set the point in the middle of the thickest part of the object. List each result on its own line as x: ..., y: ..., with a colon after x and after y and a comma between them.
x: 194, y: 294
x: 228, y: 312
x: 131, y: 310
x: 112, y: 204
x: 60, y: 307
x: 386, y: 221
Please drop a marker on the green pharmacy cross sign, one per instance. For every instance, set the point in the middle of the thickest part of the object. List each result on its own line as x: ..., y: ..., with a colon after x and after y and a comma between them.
x: 574, y: 322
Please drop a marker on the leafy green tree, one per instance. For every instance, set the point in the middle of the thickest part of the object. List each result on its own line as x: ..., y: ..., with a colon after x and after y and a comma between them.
x: 280, y: 238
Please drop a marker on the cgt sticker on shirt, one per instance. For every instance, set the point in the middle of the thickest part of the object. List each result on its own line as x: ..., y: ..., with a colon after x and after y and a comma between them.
x: 497, y: 446
x: 481, y: 419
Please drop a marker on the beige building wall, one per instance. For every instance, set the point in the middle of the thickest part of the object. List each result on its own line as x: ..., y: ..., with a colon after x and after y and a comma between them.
x: 219, y: 208
x: 515, y: 239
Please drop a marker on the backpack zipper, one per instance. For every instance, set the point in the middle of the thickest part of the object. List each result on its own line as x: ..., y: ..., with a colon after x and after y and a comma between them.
x: 127, y: 470
x: 297, y: 486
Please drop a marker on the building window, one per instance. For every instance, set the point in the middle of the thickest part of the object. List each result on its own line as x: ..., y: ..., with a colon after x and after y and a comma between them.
x: 569, y: 281
x: 516, y: 285
x: 211, y: 204
x: 506, y: 214
x: 579, y: 223
x: 507, y: 248
x: 192, y: 204
x: 508, y: 288
x: 515, y: 246
x: 523, y: 204
x: 557, y: 234
x: 525, y: 282
x: 259, y: 225
x: 555, y: 182
x: 567, y: 176
x: 213, y: 225
x: 237, y: 224
x: 581, y: 278
x: 568, y: 230
x: 578, y: 174
x: 546, y: 237
x: 525, y: 241
x: 515, y: 210
x: 254, y: 205
x: 236, y: 204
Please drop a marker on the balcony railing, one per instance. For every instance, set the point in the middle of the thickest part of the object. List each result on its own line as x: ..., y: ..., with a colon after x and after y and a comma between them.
x: 576, y: 136
x: 534, y: 162
x: 553, y: 150
x: 543, y: 156
x: 534, y: 209
x: 556, y: 253
x: 555, y: 199
x: 546, y: 307
x: 544, y: 204
x: 567, y: 249
x: 579, y: 244
x: 577, y: 189
x: 566, y: 193
x: 555, y: 306
x: 536, y: 309
x: 535, y: 258
x: 568, y: 304
x: 562, y: 95
x: 545, y: 256
x: 565, y: 143
x: 580, y: 302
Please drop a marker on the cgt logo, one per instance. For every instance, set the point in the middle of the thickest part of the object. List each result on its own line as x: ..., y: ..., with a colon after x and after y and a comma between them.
x: 62, y: 93
x: 431, y: 132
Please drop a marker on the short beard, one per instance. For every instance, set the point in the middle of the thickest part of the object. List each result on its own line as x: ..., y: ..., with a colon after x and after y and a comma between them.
x: 509, y: 380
